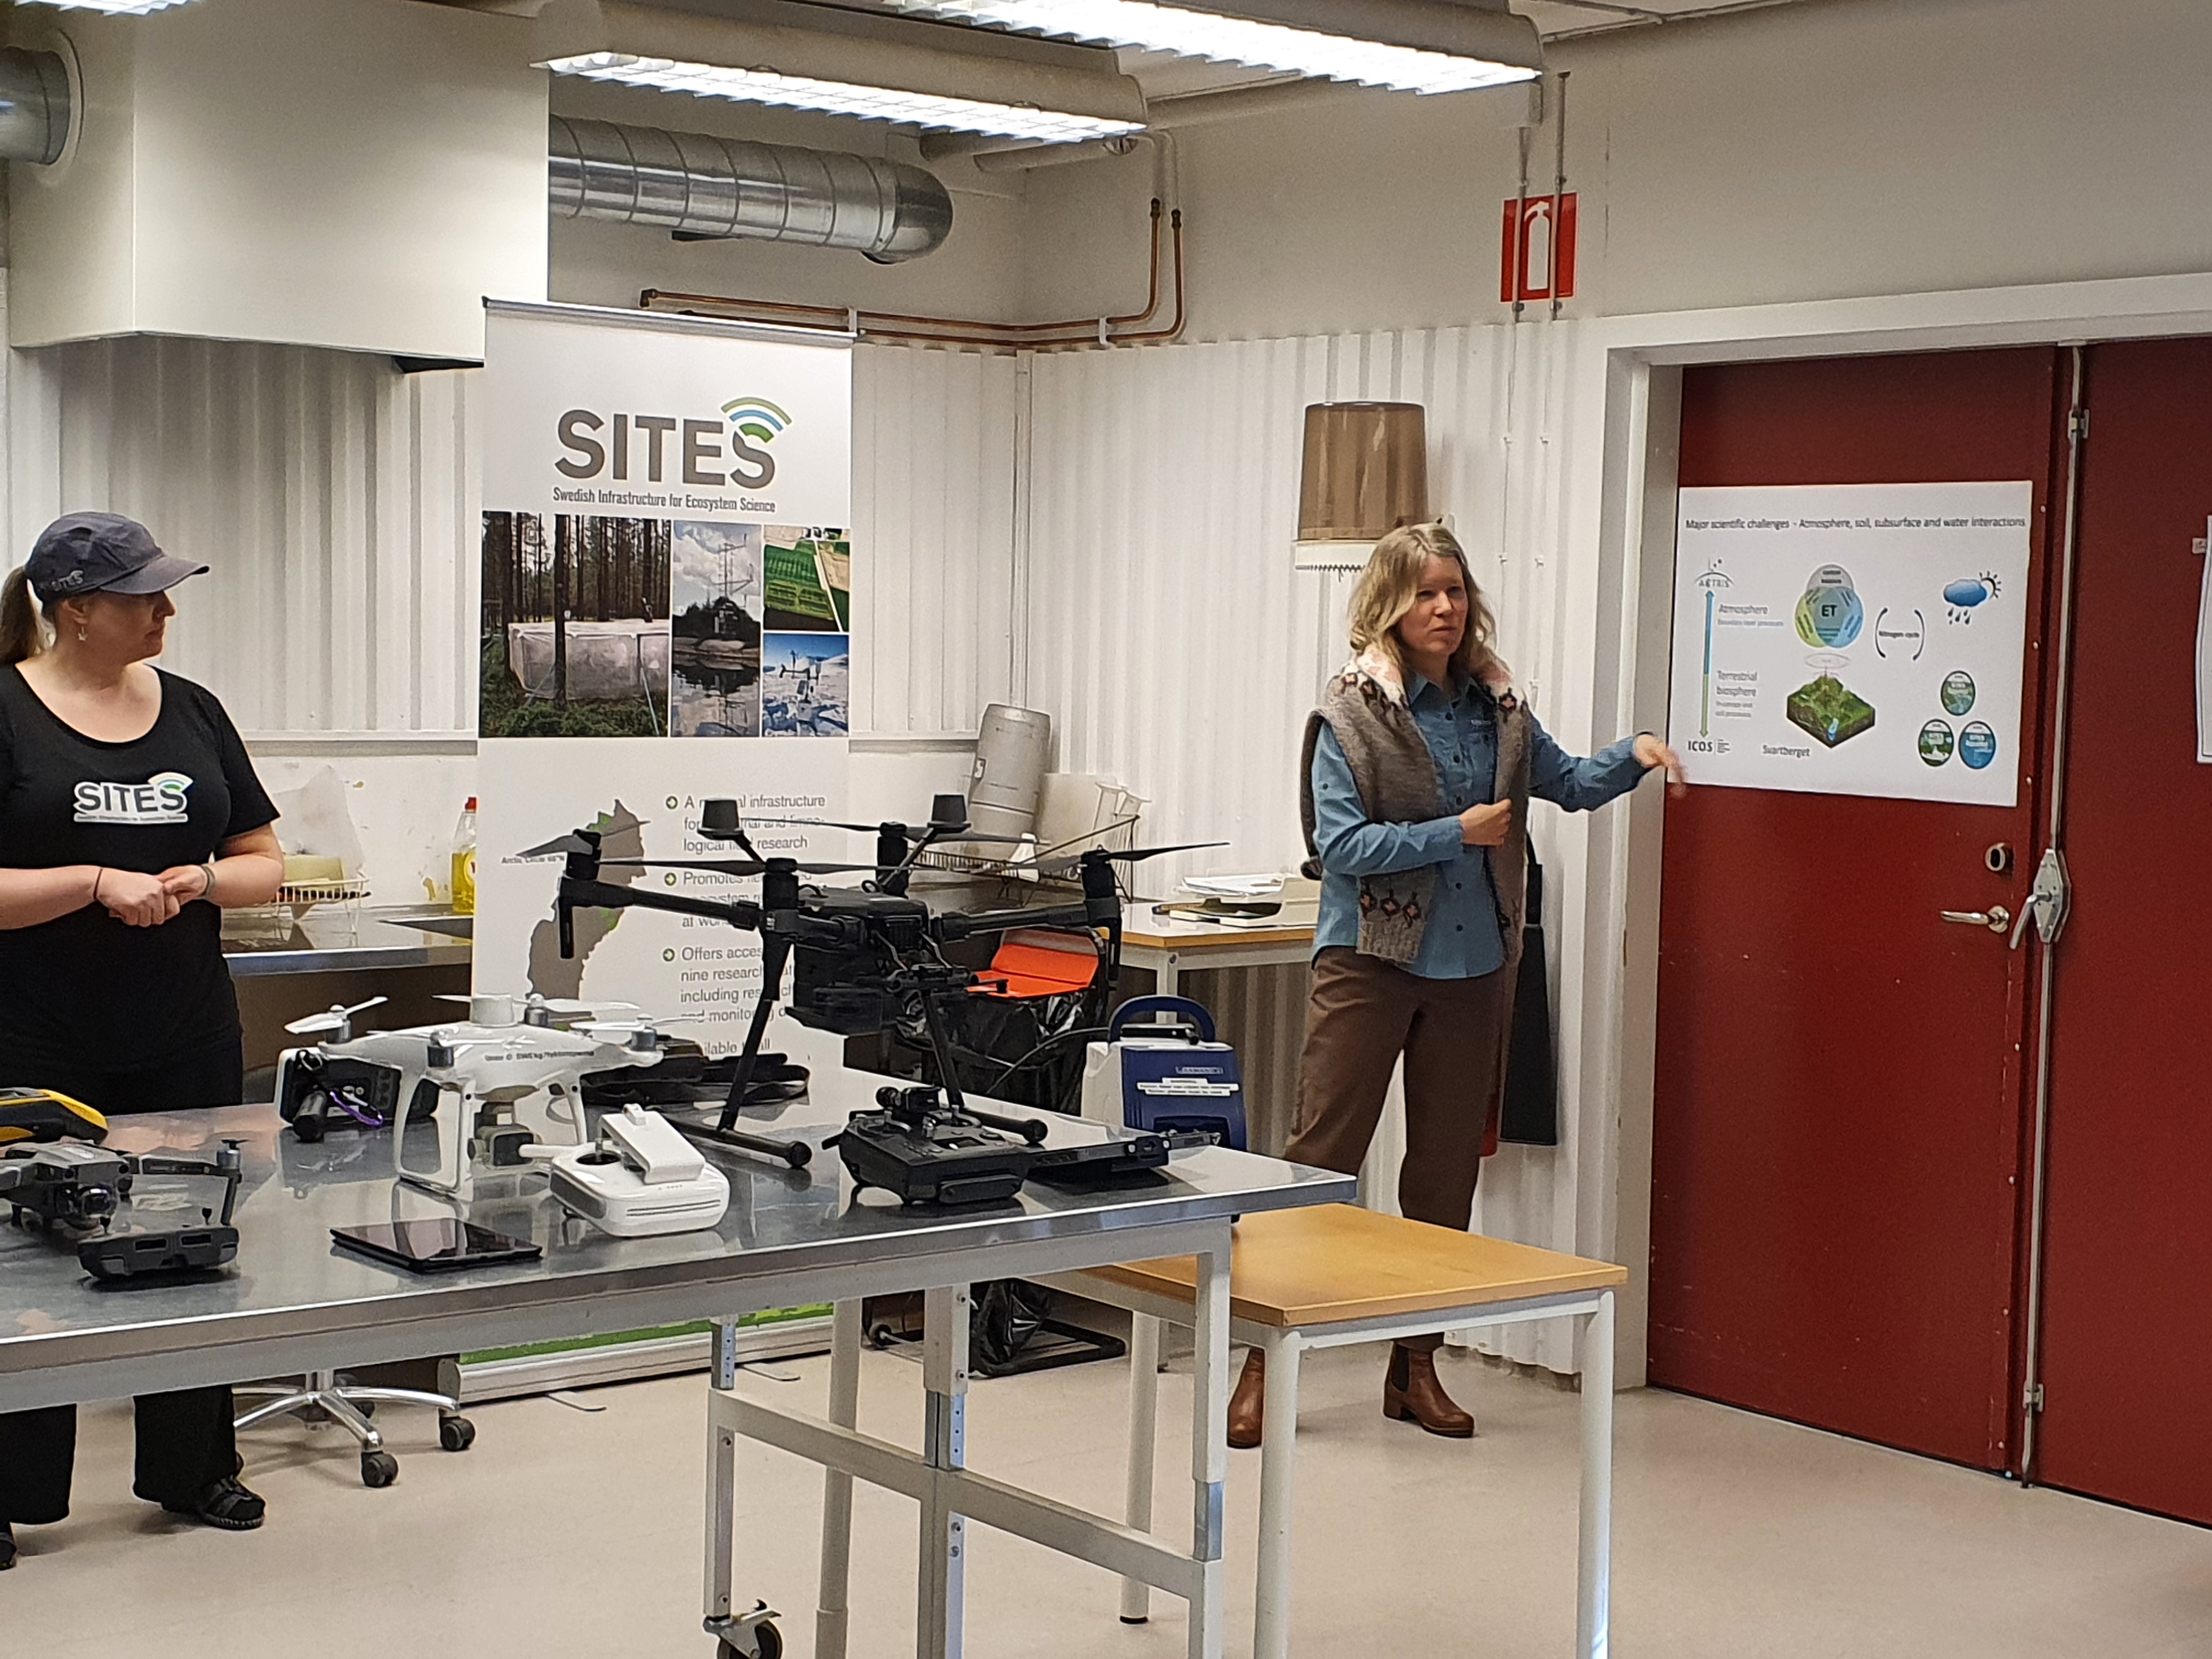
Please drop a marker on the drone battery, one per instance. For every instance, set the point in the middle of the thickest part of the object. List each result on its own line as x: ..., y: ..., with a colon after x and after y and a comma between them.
x: 940, y: 1164
x: 1104, y: 1163
x: 141, y: 1254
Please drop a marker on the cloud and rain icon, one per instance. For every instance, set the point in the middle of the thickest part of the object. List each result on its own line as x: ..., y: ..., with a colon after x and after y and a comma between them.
x: 1964, y: 595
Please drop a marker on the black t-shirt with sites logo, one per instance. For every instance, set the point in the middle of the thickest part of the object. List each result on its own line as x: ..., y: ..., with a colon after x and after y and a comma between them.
x: 85, y: 989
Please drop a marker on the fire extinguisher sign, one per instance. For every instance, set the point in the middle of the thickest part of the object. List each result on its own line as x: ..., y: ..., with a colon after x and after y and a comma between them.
x: 1537, y: 251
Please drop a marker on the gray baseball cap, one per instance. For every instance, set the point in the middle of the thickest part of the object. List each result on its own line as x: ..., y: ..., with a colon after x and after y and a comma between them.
x: 102, y: 553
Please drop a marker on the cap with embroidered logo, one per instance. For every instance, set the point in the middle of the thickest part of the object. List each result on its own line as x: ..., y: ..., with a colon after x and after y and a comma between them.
x: 102, y: 553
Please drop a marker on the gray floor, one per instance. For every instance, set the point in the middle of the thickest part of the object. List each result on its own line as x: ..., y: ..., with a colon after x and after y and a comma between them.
x: 574, y: 1532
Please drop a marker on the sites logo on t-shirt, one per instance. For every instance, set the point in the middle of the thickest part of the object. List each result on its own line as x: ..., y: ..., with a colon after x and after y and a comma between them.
x: 162, y: 798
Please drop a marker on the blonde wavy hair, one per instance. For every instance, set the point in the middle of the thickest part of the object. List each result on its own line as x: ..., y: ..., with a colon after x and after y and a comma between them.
x: 1392, y: 580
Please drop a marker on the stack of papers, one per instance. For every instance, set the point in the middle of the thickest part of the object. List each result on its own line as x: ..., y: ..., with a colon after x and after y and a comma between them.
x: 1234, y: 887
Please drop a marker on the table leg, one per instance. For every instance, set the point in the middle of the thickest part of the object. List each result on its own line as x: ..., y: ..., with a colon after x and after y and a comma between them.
x: 942, y: 1595
x: 1165, y: 976
x: 1209, y: 1445
x: 1279, y: 1452
x: 1144, y: 1425
x: 721, y: 1479
x: 833, y: 1616
x: 1593, y: 1574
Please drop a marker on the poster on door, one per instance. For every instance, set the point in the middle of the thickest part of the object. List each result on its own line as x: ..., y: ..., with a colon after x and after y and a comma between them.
x: 666, y: 616
x: 1853, y: 639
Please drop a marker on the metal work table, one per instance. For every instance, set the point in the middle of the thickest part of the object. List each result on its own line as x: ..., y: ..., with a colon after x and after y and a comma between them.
x: 293, y: 1303
x: 332, y: 938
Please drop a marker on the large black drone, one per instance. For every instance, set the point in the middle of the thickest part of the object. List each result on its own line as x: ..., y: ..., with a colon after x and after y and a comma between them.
x: 865, y: 956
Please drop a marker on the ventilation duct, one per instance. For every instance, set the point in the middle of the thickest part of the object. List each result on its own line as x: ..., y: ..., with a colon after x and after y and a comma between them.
x: 700, y: 186
x: 35, y: 106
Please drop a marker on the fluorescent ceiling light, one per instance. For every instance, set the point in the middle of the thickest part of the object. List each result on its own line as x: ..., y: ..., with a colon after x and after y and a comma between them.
x: 1450, y: 46
x: 920, y: 109
x: 126, y: 8
x: 874, y: 67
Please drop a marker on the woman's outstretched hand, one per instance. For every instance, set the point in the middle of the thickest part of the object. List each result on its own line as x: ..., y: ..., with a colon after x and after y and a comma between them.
x: 1655, y: 752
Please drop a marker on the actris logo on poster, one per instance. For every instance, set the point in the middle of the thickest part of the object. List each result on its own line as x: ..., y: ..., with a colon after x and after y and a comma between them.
x: 750, y: 423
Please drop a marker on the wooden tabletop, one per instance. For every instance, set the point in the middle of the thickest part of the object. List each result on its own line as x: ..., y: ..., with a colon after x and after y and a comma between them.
x: 1139, y: 926
x: 1298, y: 1269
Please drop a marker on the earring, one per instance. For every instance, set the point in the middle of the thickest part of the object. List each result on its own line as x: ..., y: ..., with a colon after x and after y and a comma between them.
x: 80, y: 636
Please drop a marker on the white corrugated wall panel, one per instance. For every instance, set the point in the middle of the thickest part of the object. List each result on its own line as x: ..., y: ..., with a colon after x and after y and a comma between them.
x: 330, y: 493
x: 934, y: 453
x: 335, y: 498
x: 1178, y: 650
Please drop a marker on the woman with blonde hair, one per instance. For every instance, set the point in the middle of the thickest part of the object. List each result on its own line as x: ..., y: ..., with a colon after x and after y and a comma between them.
x: 1419, y: 765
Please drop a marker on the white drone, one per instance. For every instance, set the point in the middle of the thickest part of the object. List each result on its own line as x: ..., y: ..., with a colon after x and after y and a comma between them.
x: 508, y: 1050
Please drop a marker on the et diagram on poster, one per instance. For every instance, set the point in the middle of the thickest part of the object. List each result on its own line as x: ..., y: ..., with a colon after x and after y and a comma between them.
x: 1853, y: 639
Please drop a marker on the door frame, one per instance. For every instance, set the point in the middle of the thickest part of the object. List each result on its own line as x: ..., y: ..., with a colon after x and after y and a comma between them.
x: 1623, y: 432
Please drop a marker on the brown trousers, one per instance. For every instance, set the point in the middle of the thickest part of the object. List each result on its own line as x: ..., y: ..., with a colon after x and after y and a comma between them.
x: 1365, y: 1012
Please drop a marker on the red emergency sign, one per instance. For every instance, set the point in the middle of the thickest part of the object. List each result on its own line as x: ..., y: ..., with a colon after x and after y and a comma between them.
x: 1537, y: 253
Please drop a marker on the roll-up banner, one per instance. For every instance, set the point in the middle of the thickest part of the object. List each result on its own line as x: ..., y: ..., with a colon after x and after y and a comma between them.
x: 667, y: 617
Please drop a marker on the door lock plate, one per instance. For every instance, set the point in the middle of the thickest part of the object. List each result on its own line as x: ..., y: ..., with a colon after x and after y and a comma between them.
x: 2050, y: 900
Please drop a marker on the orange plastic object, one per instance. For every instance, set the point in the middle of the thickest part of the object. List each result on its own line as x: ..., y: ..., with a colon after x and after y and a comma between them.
x: 1035, y: 970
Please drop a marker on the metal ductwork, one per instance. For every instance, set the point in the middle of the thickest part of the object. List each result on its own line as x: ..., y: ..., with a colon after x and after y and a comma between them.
x: 697, y: 184
x: 35, y: 106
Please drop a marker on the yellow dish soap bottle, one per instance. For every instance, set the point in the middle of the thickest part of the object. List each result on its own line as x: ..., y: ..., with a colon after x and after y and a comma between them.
x: 464, y: 861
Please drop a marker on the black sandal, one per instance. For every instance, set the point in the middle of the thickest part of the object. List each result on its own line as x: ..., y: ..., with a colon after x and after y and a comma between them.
x: 226, y: 1505
x: 7, y: 1547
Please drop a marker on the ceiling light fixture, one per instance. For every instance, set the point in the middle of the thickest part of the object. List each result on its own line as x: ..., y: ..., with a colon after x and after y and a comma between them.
x: 1406, y: 46
x: 875, y: 68
x: 119, y: 8
x: 840, y: 98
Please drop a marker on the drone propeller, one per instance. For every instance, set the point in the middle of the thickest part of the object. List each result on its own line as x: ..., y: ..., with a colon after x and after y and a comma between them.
x: 333, y: 1019
x: 572, y: 843
x: 1124, y: 855
x: 622, y: 1028
x: 739, y: 867
x: 912, y: 832
x: 551, y: 1005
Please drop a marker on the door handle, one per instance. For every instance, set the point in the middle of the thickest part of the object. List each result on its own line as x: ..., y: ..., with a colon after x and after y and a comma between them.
x: 1996, y: 918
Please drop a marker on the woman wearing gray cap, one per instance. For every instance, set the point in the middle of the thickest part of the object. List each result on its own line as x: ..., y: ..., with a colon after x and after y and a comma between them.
x: 129, y: 813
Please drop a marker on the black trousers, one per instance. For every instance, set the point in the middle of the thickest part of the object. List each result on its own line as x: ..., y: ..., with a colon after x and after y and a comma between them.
x: 184, y: 1439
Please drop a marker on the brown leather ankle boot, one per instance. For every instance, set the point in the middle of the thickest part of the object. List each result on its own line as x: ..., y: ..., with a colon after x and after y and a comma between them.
x: 1411, y: 1392
x: 1248, y: 1404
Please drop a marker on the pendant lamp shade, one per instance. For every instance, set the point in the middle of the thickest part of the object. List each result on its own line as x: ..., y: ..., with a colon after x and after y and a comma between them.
x: 1366, y: 472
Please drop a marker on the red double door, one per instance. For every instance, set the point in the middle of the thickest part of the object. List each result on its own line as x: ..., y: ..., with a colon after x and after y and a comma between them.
x: 1847, y: 1083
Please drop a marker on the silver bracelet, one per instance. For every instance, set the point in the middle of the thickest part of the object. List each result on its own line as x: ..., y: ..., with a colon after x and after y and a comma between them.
x: 208, y: 892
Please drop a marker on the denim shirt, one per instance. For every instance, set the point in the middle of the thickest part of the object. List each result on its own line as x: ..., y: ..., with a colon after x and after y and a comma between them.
x: 1462, y: 939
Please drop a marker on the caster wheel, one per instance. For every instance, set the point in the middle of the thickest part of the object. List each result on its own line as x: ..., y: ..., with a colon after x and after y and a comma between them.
x: 378, y: 1468
x: 456, y: 1434
x: 761, y: 1642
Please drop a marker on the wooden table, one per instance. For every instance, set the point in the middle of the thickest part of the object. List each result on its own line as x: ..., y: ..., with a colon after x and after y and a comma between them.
x: 1333, y: 1275
x: 1172, y: 946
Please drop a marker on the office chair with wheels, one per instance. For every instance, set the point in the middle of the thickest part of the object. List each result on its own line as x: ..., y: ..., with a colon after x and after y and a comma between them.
x: 321, y: 1396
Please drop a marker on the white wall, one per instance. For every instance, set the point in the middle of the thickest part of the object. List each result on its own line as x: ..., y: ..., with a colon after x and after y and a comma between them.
x: 1171, y: 639
x: 1843, y: 146
x: 335, y: 500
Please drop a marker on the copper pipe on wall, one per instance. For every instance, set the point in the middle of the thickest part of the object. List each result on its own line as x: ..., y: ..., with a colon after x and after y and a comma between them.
x: 1074, y: 333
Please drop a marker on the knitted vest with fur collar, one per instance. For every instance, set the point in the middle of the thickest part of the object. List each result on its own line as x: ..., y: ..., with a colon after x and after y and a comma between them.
x: 1364, y: 706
